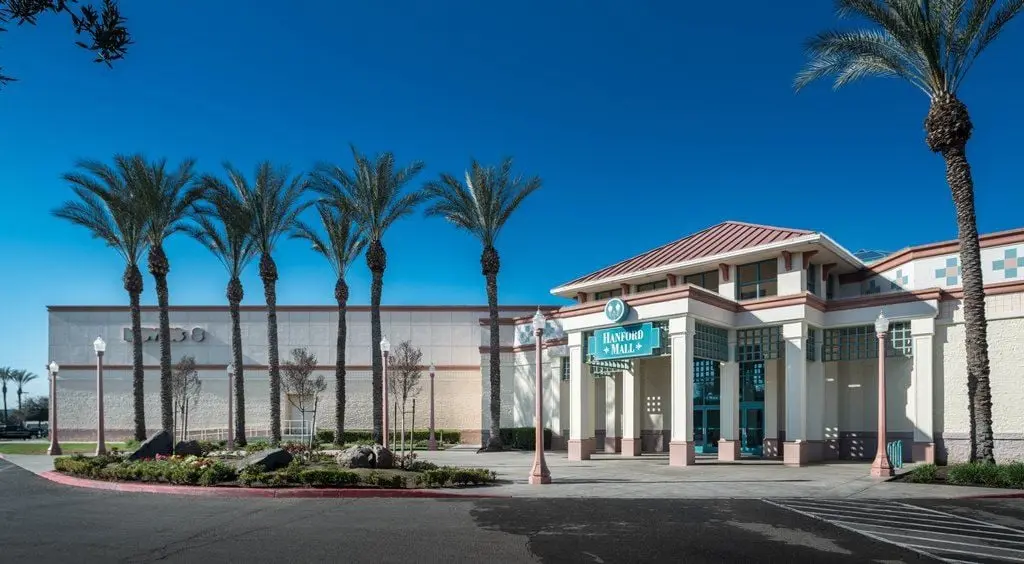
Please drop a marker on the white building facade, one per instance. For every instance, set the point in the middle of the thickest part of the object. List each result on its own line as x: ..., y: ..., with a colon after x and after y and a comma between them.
x: 753, y: 341
x: 453, y: 338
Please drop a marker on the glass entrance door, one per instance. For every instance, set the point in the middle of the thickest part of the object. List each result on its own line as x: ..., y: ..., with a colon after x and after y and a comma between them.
x: 752, y: 407
x: 707, y: 429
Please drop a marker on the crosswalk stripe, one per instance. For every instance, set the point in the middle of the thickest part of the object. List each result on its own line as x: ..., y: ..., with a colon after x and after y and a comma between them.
x: 937, y: 534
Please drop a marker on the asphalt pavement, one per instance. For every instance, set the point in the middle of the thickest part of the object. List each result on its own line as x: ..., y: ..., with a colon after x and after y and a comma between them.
x: 47, y: 522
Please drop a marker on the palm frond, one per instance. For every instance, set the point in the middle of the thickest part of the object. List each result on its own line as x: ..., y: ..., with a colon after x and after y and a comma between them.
x: 223, y: 222
x: 344, y: 239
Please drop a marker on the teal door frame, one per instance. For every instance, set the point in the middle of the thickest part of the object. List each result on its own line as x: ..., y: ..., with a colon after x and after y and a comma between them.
x: 751, y: 408
x: 705, y: 430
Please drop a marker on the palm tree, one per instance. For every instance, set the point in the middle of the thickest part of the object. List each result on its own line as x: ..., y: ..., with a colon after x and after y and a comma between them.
x: 109, y: 206
x: 223, y: 224
x: 6, y: 375
x: 20, y: 377
x: 274, y: 205
x: 341, y: 247
x: 166, y: 198
x: 482, y: 205
x: 373, y: 192
x: 931, y: 44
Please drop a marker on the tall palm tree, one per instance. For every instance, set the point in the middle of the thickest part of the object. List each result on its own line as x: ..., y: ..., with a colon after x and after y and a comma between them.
x: 374, y: 193
x: 341, y: 247
x: 482, y: 205
x: 109, y: 206
x: 223, y: 224
x: 6, y: 375
x: 931, y: 44
x: 167, y: 198
x: 21, y: 377
x: 274, y: 203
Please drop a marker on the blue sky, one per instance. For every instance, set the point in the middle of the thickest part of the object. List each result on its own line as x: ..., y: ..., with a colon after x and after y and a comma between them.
x: 646, y: 120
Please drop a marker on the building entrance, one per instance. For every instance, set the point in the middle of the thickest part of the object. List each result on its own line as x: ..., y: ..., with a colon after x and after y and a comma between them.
x: 707, y: 415
x: 752, y: 408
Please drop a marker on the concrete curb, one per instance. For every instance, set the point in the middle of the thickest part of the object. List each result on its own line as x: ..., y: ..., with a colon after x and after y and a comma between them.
x: 1017, y: 495
x: 289, y: 493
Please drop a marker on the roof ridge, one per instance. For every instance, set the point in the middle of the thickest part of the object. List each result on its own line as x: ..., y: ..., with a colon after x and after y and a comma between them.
x: 764, y: 226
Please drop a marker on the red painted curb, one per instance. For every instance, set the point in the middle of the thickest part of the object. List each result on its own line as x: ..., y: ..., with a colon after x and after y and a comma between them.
x: 1018, y: 495
x: 203, y: 491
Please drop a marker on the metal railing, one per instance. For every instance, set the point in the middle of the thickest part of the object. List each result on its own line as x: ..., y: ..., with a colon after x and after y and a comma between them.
x: 895, y: 452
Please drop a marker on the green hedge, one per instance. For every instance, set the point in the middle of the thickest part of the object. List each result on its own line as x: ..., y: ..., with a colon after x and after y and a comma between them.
x: 444, y: 436
x: 990, y: 475
x: 187, y: 471
x: 451, y: 476
x: 524, y: 438
x: 924, y: 474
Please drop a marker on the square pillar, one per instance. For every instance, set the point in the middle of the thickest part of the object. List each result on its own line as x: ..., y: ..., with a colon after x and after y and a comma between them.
x: 922, y: 385
x: 830, y: 371
x: 552, y: 400
x: 729, y: 443
x: 816, y: 405
x: 796, y: 450
x: 612, y: 413
x: 680, y: 448
x: 631, y: 410
x: 581, y: 406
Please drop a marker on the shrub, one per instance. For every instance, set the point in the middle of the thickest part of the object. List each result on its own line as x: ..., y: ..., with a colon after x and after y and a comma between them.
x: 252, y: 475
x: 206, y: 447
x: 523, y: 438
x: 328, y: 477
x: 448, y: 475
x: 1013, y: 475
x: 256, y: 446
x: 409, y: 462
x: 975, y: 474
x: 325, y: 436
x: 216, y: 474
x: 380, y: 480
x: 131, y: 445
x: 924, y: 474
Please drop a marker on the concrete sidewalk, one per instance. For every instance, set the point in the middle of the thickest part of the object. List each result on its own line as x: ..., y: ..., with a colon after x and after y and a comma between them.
x: 650, y: 477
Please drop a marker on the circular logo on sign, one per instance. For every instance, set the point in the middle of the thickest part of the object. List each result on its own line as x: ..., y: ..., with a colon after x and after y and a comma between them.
x: 615, y: 310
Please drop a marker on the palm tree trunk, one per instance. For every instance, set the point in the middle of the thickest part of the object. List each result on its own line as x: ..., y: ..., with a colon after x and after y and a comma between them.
x: 235, y: 295
x: 490, y: 263
x: 948, y: 128
x: 133, y: 284
x: 268, y: 272
x: 958, y: 175
x: 4, y: 389
x: 341, y: 294
x: 376, y: 259
x: 19, y: 398
x: 159, y: 267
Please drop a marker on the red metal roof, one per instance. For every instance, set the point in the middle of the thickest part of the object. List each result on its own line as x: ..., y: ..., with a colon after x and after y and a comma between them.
x: 722, y: 238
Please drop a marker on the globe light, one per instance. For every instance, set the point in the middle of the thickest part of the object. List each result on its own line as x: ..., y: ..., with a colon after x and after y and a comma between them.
x: 385, y: 345
x: 538, y: 321
x: 99, y: 345
x: 882, y: 323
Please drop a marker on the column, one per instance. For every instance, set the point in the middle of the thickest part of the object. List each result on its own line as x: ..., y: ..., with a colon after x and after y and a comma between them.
x: 590, y: 423
x: 796, y: 451
x: 729, y: 444
x: 580, y: 402
x: 922, y: 384
x: 612, y: 413
x: 831, y: 412
x: 631, y: 409
x: 816, y: 403
x: 680, y: 447
x: 552, y: 400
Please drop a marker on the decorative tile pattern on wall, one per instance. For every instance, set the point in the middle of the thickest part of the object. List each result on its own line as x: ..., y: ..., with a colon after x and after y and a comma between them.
x: 951, y: 272
x: 1008, y: 264
x: 873, y: 287
x: 901, y: 281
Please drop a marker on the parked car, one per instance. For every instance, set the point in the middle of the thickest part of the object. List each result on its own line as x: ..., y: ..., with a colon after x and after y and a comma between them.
x: 15, y: 432
x: 38, y: 432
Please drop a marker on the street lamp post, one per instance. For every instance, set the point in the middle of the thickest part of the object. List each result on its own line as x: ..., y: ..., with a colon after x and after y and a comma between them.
x: 539, y: 474
x: 54, y: 449
x: 432, y: 443
x: 231, y: 420
x: 882, y: 466
x: 385, y: 348
x: 100, y: 347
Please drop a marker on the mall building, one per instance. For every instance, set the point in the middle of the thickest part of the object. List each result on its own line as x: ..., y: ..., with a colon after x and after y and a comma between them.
x: 739, y: 341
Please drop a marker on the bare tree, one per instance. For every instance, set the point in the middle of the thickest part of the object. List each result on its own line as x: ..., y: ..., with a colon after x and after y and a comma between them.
x: 301, y: 387
x: 185, y: 386
x: 404, y: 374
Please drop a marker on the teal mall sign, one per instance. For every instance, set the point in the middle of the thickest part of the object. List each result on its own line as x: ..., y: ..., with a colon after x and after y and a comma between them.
x: 624, y: 342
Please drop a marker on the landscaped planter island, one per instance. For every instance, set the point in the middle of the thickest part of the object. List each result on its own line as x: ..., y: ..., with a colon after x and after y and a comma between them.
x: 294, y: 466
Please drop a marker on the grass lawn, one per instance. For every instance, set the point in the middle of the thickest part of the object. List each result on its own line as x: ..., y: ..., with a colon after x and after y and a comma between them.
x: 40, y: 448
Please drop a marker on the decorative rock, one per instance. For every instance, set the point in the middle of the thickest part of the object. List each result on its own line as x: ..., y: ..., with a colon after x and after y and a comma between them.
x: 365, y: 456
x: 160, y: 443
x: 187, y: 448
x: 270, y: 459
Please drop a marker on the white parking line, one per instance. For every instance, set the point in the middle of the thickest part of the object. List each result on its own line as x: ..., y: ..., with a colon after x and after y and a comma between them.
x: 941, y: 535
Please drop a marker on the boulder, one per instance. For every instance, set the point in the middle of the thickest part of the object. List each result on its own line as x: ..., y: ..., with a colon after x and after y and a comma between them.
x: 187, y: 448
x: 160, y: 443
x: 365, y: 456
x: 270, y: 459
